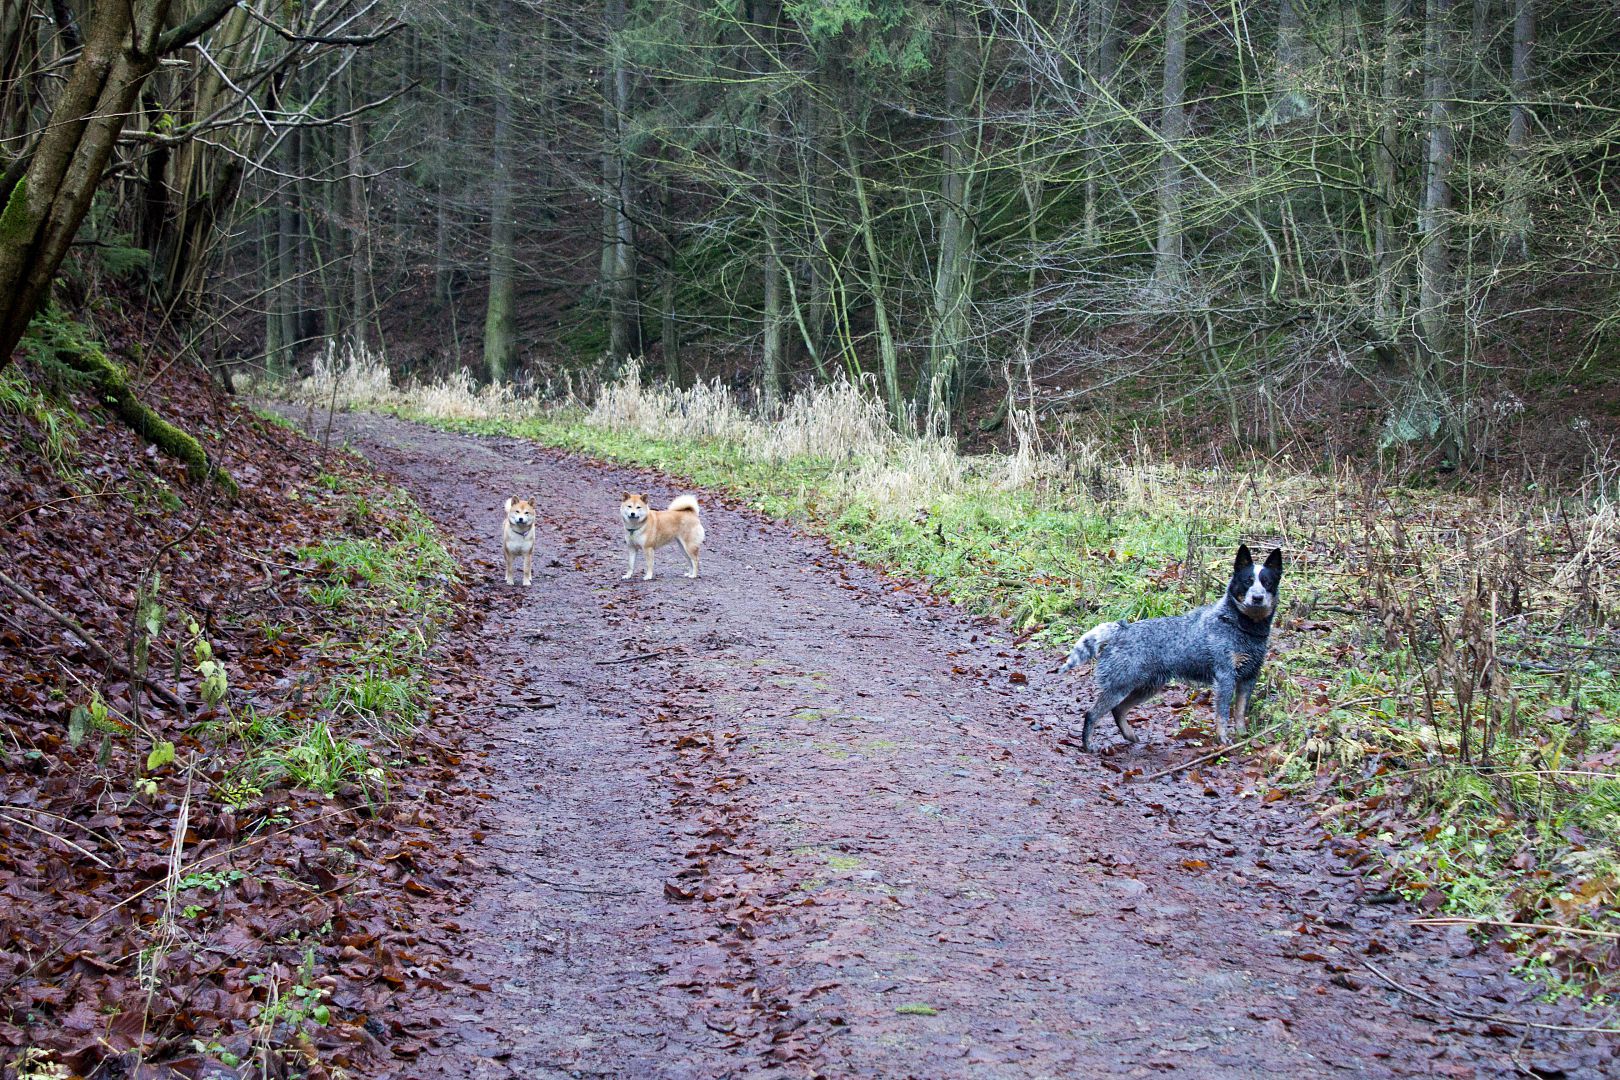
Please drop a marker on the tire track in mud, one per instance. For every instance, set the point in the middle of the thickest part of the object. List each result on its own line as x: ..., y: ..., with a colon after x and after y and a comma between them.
x: 830, y: 827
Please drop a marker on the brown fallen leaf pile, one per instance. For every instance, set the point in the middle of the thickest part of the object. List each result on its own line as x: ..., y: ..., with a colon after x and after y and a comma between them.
x: 155, y: 918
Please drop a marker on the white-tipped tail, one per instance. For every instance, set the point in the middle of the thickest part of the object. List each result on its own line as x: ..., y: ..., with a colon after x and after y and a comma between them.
x: 1090, y: 645
x: 685, y: 502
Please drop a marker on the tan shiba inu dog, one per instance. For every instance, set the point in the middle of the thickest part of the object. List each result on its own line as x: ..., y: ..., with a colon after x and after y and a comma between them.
x: 517, y: 536
x: 646, y: 530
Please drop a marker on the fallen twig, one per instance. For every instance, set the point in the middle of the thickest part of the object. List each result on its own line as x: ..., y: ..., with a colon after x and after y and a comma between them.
x: 1488, y: 1018
x: 1457, y: 920
x: 57, y: 836
x: 638, y: 656
x: 581, y: 888
x: 1206, y: 757
x: 89, y: 642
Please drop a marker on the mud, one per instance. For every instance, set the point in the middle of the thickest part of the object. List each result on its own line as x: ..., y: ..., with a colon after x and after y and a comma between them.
x: 798, y: 818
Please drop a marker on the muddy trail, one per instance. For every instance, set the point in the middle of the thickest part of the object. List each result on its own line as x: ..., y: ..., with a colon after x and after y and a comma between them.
x: 801, y: 819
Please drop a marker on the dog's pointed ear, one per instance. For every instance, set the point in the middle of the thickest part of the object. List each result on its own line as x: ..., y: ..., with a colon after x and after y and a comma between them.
x: 624, y: 496
x: 1243, y: 559
x: 1274, y: 561
x: 508, y: 506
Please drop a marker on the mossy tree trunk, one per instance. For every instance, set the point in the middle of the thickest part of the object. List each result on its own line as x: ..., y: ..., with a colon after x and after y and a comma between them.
x: 43, y: 209
x: 111, y: 383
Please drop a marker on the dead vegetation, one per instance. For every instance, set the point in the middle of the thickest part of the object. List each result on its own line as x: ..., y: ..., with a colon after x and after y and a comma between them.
x: 219, y: 761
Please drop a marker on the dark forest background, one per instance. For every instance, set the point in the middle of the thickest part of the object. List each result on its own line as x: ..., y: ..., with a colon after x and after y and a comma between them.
x: 1288, y: 225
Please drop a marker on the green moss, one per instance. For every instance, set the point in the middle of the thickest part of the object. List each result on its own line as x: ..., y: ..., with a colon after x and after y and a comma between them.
x: 62, y: 342
x: 15, y: 226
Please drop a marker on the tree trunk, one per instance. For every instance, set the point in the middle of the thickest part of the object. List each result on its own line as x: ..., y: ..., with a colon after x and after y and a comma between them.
x: 286, y: 297
x: 360, y: 305
x: 669, y: 334
x: 618, y: 255
x: 953, y: 271
x: 771, y: 360
x: 1386, y: 261
x: 270, y: 264
x: 1434, y: 223
x: 441, y: 211
x: 500, y: 339
x: 1524, y: 42
x: 17, y: 61
x: 814, y: 314
x: 1102, y: 41
x: 889, y: 357
x: 43, y: 211
x: 1169, y: 270
x: 113, y: 389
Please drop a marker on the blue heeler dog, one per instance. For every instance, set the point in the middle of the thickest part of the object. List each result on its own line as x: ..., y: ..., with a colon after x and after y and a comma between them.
x: 1223, y: 644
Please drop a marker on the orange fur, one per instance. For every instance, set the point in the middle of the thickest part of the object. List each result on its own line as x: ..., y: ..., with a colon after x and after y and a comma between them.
x: 646, y: 530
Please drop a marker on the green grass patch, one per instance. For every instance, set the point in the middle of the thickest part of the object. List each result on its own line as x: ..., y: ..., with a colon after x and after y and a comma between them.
x: 386, y: 587
x: 54, y: 426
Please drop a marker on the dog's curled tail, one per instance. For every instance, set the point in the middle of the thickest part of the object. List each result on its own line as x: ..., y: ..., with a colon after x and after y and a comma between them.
x: 684, y: 502
x: 1090, y: 645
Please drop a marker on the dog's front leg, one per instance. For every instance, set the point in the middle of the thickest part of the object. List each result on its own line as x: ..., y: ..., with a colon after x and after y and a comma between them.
x: 528, y: 565
x: 630, y: 549
x: 508, y: 553
x: 1223, y: 703
x: 647, y: 553
x: 1240, y: 707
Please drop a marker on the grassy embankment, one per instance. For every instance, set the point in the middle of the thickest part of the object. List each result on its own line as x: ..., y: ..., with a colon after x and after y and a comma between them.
x: 287, y: 664
x: 1443, y: 688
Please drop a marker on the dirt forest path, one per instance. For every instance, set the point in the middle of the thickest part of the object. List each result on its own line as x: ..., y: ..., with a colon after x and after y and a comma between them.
x: 795, y: 819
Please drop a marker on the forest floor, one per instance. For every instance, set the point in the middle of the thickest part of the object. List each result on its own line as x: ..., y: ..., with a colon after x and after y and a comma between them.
x: 802, y: 817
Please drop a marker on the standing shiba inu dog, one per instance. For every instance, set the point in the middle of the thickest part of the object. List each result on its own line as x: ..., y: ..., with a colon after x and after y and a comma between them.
x: 517, y: 536
x: 1223, y: 644
x: 646, y: 530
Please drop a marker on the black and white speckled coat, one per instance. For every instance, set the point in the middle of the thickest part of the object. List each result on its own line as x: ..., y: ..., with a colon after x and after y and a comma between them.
x: 1222, y: 645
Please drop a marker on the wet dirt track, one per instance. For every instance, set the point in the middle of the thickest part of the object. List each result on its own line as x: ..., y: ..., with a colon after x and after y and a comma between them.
x: 825, y: 828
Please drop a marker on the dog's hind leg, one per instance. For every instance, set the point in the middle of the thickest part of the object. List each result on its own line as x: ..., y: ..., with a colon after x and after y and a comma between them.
x: 1108, y: 699
x: 692, y: 552
x: 1132, y: 700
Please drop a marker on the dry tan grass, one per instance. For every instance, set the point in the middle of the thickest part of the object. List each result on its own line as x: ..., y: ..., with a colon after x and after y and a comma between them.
x: 845, y: 423
x: 344, y: 377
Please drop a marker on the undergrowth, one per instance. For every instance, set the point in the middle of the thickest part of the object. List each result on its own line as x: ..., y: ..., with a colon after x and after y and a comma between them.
x: 1443, y: 683
x: 36, y: 389
x: 386, y: 588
